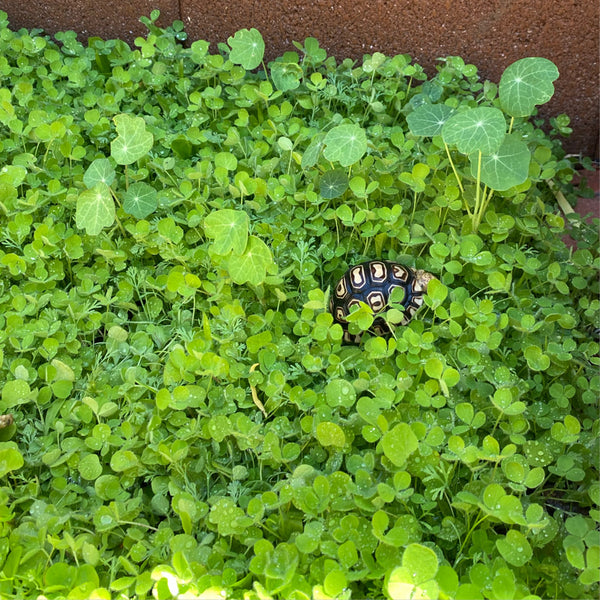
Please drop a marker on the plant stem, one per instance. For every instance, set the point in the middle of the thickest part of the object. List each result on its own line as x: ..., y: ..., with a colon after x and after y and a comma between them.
x: 454, y: 169
x: 475, y: 218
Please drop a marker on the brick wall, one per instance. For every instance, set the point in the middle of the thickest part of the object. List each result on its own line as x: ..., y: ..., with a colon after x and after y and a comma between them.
x: 491, y: 34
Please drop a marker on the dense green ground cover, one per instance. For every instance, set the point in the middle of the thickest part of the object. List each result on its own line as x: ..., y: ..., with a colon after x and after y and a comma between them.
x: 186, y: 419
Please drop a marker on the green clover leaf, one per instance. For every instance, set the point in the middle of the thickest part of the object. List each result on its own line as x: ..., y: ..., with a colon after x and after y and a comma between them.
x: 515, y: 548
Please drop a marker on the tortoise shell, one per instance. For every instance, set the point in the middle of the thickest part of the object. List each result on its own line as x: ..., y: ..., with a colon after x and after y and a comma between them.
x: 372, y: 282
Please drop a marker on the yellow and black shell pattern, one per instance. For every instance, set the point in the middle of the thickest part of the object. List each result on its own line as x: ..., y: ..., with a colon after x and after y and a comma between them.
x: 372, y: 282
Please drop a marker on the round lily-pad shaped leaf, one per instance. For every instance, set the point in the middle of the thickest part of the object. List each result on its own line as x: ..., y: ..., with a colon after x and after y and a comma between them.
x: 229, y: 230
x: 479, y: 129
x: 333, y: 184
x: 525, y: 84
x: 140, y: 200
x: 505, y: 168
x: 345, y: 144
x: 95, y: 209
x: 100, y: 170
x: 133, y: 141
x: 253, y: 264
x: 428, y: 119
x: 286, y: 76
x: 247, y: 48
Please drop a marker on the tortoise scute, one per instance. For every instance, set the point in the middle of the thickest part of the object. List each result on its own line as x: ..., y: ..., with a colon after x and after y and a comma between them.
x: 377, y: 301
x: 378, y: 271
x: 340, y: 289
x: 372, y: 283
x: 401, y: 273
x: 358, y: 278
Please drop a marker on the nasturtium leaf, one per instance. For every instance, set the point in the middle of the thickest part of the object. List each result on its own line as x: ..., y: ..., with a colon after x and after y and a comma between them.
x: 428, y: 119
x: 10, y: 458
x: 505, y: 168
x: 399, y: 443
x: 229, y: 230
x: 286, y: 76
x: 247, y: 48
x: 100, y: 170
x: 95, y: 209
x: 333, y: 184
x: 252, y: 265
x: 132, y: 142
x: 479, y: 129
x: 345, y: 144
x: 515, y: 548
x: 140, y: 200
x: 525, y: 84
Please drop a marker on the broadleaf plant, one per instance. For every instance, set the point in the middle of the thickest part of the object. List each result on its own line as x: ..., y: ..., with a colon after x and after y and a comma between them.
x: 179, y: 413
